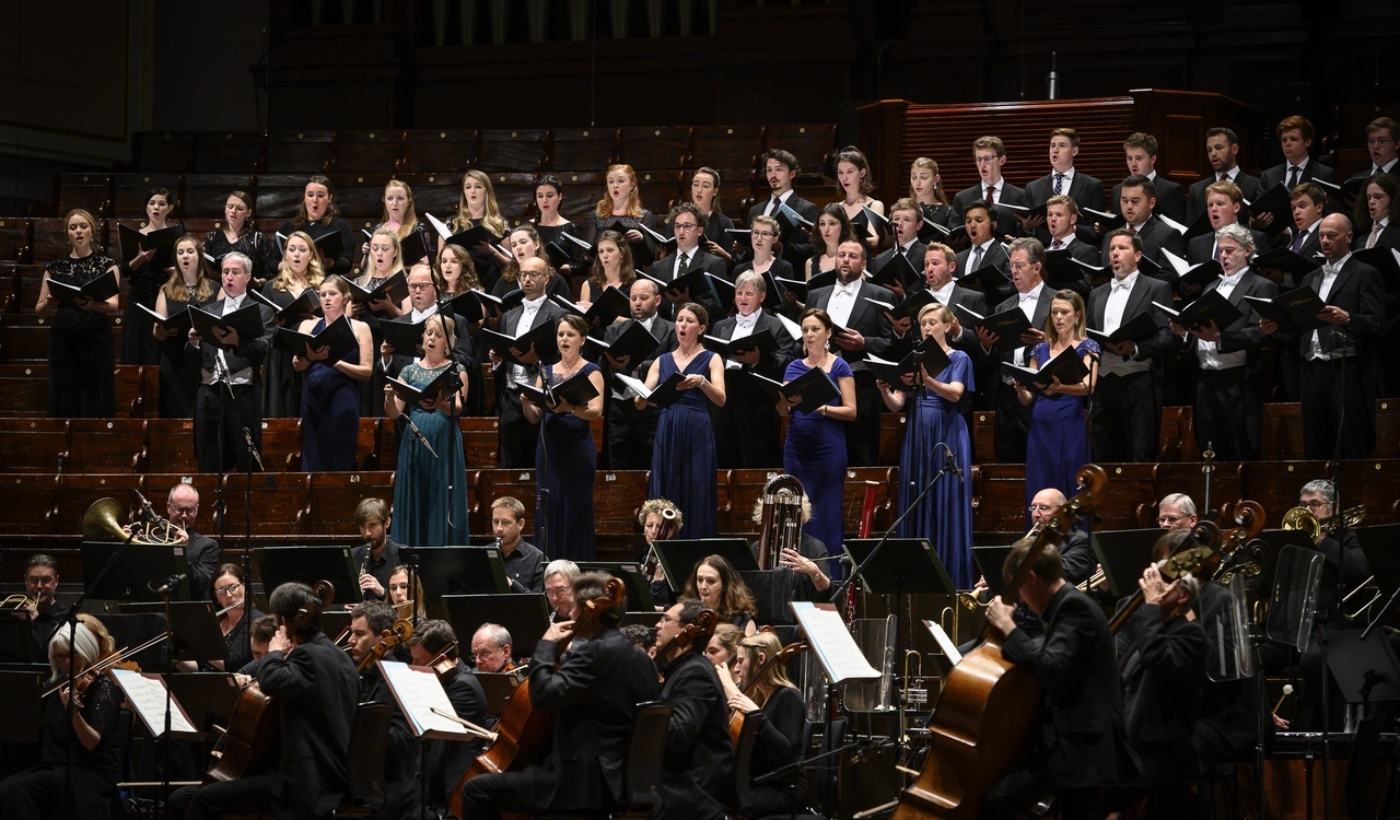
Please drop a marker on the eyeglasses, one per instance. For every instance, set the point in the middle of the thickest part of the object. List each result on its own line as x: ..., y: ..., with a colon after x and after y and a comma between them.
x: 1314, y: 505
x: 228, y: 590
x: 1020, y: 265
x: 175, y: 508
x: 484, y: 653
x: 667, y: 619
x: 1168, y: 520
x: 556, y: 593
x: 765, y: 234
x: 1035, y: 508
x: 683, y: 226
x: 420, y: 286
x: 1378, y: 141
x: 984, y: 160
x: 532, y: 274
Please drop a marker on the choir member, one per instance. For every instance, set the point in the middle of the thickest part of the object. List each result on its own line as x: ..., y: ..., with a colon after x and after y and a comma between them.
x: 944, y: 515
x: 319, y: 216
x: 683, y: 459
x: 1063, y: 180
x: 905, y: 220
x: 612, y: 268
x: 806, y: 561
x: 566, y: 458
x: 622, y: 205
x: 330, y: 397
x: 559, y: 577
x: 778, y: 707
x: 1077, y: 558
x: 780, y: 169
x: 370, y: 623
x: 491, y: 649
x: 698, y: 781
x: 230, y: 596
x: 746, y: 427
x: 926, y: 188
x: 448, y: 760
x: 78, y: 739
x: 523, y: 241
x: 454, y: 265
x: 402, y: 218
x: 724, y: 645
x: 1057, y: 441
x: 832, y: 228
x: 983, y: 247
x: 1382, y: 134
x: 1378, y: 219
x: 189, y: 285
x: 478, y: 207
x: 1032, y: 298
x: 1081, y: 695
x: 855, y: 186
x: 1137, y: 202
x: 425, y: 287
x: 717, y: 585
x: 430, y: 490
x: 144, y: 276
x: 1062, y: 222
x: 631, y: 431
x: 1341, y: 371
x: 41, y: 586
x: 1140, y: 150
x: 299, y: 271
x: 82, y: 371
x: 518, y: 438
x: 1295, y: 136
x: 550, y: 223
x: 989, y: 155
x: 406, y: 599
x: 377, y: 554
x: 1229, y: 405
x: 938, y: 265
x: 382, y: 263
x: 524, y: 561
x: 1176, y: 511
x: 240, y: 233
x: 816, y: 449
x: 595, y: 690
x: 228, y: 405
x: 863, y: 329
x: 1222, y: 150
x: 763, y: 236
x: 704, y: 194
x: 1127, y: 407
x: 688, y: 223
x: 1308, y: 203
x: 1224, y: 206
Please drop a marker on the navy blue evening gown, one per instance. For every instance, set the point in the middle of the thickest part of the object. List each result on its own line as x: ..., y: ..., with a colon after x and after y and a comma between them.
x: 567, y: 474
x: 815, y: 452
x: 683, y: 462
x: 1058, y: 443
x: 330, y: 414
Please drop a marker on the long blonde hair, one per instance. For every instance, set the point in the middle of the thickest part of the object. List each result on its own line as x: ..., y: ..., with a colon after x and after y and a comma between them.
x: 634, y: 199
x: 314, y: 272
x: 368, y: 275
x: 491, y: 218
x: 410, y: 216
x: 775, y: 675
x: 175, y: 289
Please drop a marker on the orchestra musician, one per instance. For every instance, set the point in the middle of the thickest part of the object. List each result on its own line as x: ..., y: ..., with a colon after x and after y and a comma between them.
x: 806, y: 561
x: 1082, y: 695
x: 594, y: 691
x: 559, y: 577
x: 370, y: 623
x: 723, y: 645
x: 717, y: 585
x: 377, y: 556
x: 317, y: 688
x: 230, y: 595
x: 82, y: 370
x: 656, y: 515
x: 201, y: 551
x: 407, y: 600
x: 524, y: 561
x: 698, y: 782
x: 641, y: 636
x: 189, y: 284
x: 491, y: 649
x: 448, y: 760
x: 777, y: 704
x: 41, y: 586
x: 264, y: 629
x: 90, y: 735
x: 1176, y: 511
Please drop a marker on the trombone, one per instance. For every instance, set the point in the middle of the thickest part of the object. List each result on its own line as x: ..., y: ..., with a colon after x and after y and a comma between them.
x: 17, y: 602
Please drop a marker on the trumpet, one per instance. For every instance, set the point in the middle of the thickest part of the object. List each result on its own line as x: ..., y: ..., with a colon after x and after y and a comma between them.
x: 16, y: 602
x: 1302, y: 519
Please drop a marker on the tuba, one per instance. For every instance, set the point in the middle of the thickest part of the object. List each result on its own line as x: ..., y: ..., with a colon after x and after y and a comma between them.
x: 781, y: 525
x: 100, y: 523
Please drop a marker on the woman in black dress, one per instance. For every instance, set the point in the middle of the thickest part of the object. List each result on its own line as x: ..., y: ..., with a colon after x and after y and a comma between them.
x: 549, y: 195
x: 381, y: 264
x: 478, y: 207
x: 230, y: 593
x: 189, y: 285
x: 318, y: 216
x: 704, y: 192
x: 144, y: 276
x: 718, y: 585
x: 778, y: 707
x: 240, y: 233
x: 621, y: 205
x: 402, y: 217
x: 458, y: 276
x: 298, y: 271
x: 926, y: 188
x: 82, y: 367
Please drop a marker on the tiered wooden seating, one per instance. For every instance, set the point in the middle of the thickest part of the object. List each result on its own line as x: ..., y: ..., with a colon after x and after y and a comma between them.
x: 299, y: 152
x: 619, y: 494
x: 439, y: 151
x: 386, y: 453
x: 105, y: 445
x: 15, y: 239
x: 480, y: 440
x: 654, y: 147
x: 29, y: 499
x: 227, y: 152
x: 205, y: 194
x: 510, y: 150
x: 24, y: 389
x: 582, y: 190
x: 90, y: 191
x: 886, y: 498
x: 280, y: 504
x: 360, y: 197
x: 582, y: 149
x: 50, y: 239
x: 374, y: 151
x: 162, y: 152
x: 892, y: 429
x: 1283, y: 431
x: 729, y: 149
x: 661, y: 190
x: 812, y: 144
x: 367, y: 443
x: 1175, y: 421
x: 169, y: 447
x: 279, y: 194
x: 436, y: 193
x: 983, y: 434
x: 131, y: 192
x: 281, y: 444
x: 998, y: 498
x: 332, y: 497
x: 740, y: 489
x: 485, y: 486
x: 1188, y: 477
x: 1387, y: 428
x: 1129, y: 501
x: 1275, y: 484
x: 514, y: 192
x: 34, y: 445
x: 137, y: 390
x: 75, y: 492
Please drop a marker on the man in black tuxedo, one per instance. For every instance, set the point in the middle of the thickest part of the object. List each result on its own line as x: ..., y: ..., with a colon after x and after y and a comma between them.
x: 1382, y: 134
x: 1082, y: 695
x: 699, y: 776
x: 422, y: 303
x: 1062, y: 180
x: 1061, y: 221
x: 1126, y: 408
x: 229, y: 400
x: 746, y: 427
x: 688, y: 222
x: 1137, y: 203
x: 1309, y: 205
x: 370, y: 623
x: 517, y: 436
x: 448, y: 760
x: 938, y: 265
x: 1340, y: 374
x: 990, y: 155
x: 1222, y: 149
x: 1076, y: 554
x: 595, y: 692
x: 1141, y: 151
x: 780, y: 168
x: 318, y: 689
x: 905, y: 220
x: 864, y: 329
x: 201, y: 551
x: 631, y: 433
x: 1229, y: 408
x: 983, y: 249
x: 1295, y: 137
x: 1224, y: 204
x: 1033, y: 298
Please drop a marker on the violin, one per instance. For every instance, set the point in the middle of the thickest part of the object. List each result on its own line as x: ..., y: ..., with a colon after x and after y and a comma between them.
x: 115, y: 660
x: 736, y: 718
x: 401, y: 631
x: 444, y: 667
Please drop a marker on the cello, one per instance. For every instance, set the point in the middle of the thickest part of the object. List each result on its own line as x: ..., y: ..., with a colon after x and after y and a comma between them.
x: 988, y: 705
x: 736, y: 718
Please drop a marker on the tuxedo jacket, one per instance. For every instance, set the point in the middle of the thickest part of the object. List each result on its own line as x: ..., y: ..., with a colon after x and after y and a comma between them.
x: 1243, y: 333
x: 1389, y: 238
x: 995, y: 255
x: 1311, y: 246
x: 799, y: 249
x: 248, y: 353
x: 1039, y: 317
x: 772, y: 366
x: 1279, y: 174
x: 1171, y: 199
x: 867, y: 319
x: 966, y: 341
x: 548, y: 312
x: 1146, y: 290
x: 1081, y: 250
x: 1010, y: 195
x: 662, y: 330
x: 915, y: 255
x: 1202, y: 247
x: 1087, y: 191
x: 1156, y: 237
x: 1164, y: 676
x: 665, y: 270
x: 1196, y: 200
x: 1359, y: 291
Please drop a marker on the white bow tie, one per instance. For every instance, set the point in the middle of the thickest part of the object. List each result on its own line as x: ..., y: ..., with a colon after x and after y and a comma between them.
x: 746, y: 321
x: 849, y: 290
x: 1027, y: 297
x: 1121, y: 284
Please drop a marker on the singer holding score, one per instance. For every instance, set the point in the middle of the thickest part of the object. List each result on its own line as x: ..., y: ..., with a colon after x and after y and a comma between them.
x: 430, y: 490
x: 936, y: 440
x: 330, y: 393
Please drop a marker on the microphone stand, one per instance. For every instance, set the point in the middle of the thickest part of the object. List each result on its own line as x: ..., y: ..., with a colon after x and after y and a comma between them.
x: 170, y: 652
x: 248, y: 540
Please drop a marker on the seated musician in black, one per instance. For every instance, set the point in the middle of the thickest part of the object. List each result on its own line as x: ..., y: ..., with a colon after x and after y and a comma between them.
x: 317, y: 690
x: 1079, y: 742
x: 370, y: 623
x: 806, y: 562
x: 448, y: 760
x: 699, y: 777
x: 778, y: 707
x: 595, y: 692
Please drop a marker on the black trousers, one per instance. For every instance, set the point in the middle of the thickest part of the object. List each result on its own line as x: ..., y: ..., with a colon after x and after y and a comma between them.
x: 516, y: 436
x: 36, y: 794
x: 247, y: 795
x: 221, y: 409
x: 1229, y: 414
x: 746, y: 427
x: 863, y: 435
x: 631, y: 434
x: 1013, y: 425
x: 1017, y: 794
x: 1126, y: 417
x: 488, y: 796
x: 1336, y: 396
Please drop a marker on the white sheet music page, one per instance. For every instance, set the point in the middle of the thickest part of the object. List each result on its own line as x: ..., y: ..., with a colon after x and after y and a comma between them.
x: 147, y: 696
x: 418, y: 692
x: 832, y: 643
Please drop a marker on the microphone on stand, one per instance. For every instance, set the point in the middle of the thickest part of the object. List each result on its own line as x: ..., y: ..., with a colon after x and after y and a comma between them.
x: 253, y: 449
x: 168, y: 585
x: 950, y: 463
x: 422, y: 439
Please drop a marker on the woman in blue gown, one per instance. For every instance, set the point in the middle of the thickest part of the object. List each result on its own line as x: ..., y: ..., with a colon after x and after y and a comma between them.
x: 815, y: 450
x: 1058, y: 444
x: 430, y: 493
x: 683, y: 463
x: 330, y: 391
x: 944, y: 516
x: 566, y: 458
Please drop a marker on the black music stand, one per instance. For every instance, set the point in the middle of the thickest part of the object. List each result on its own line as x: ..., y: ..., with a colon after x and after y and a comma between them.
x: 307, y: 565
x: 1366, y: 670
x: 135, y: 629
x: 990, y: 559
x: 1124, y: 554
x: 207, y: 697
x: 458, y: 571
x: 524, y: 615
x: 905, y: 566
x: 498, y: 686
x: 17, y: 644
x: 196, y: 629
x: 680, y: 556
x: 130, y: 576
x: 772, y: 592
x: 642, y: 618
x: 22, y: 693
x: 630, y: 573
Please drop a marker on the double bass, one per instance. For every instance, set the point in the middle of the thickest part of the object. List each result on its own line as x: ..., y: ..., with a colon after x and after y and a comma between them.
x: 988, y: 705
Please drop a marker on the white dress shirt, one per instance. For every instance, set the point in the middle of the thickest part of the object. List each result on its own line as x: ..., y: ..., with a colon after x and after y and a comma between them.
x: 1119, y: 291
x: 1324, y: 289
x: 843, y: 302
x: 944, y: 295
x: 528, y: 310
x: 221, y: 372
x: 1208, y: 353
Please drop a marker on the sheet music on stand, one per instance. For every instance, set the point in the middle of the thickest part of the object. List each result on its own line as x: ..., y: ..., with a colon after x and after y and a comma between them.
x: 831, y: 644
x: 419, y: 693
x: 147, y: 696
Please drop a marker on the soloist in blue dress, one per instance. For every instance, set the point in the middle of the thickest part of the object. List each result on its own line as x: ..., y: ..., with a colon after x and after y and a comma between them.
x: 815, y: 452
x: 683, y: 462
x: 567, y: 474
x: 1058, y: 444
x: 944, y: 516
x: 330, y: 414
x: 430, y: 494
